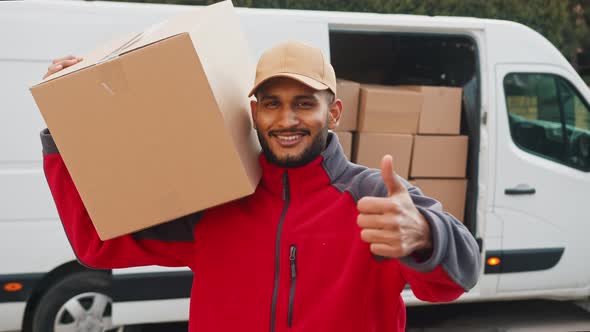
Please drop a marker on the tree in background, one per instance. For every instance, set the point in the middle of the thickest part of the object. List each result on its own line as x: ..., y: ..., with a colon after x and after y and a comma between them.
x: 582, y: 59
x: 563, y: 22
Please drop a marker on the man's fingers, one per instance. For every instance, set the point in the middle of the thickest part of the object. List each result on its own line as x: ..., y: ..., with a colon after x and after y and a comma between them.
x: 377, y: 221
x: 385, y: 250
x: 371, y: 221
x: 392, y: 182
x: 59, y: 65
x: 52, y: 69
x: 69, y: 57
x: 62, y: 59
x: 67, y: 63
x: 372, y: 235
x: 55, y: 67
x: 377, y: 205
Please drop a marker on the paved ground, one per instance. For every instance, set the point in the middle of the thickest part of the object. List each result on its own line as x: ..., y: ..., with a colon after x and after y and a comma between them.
x: 537, y: 316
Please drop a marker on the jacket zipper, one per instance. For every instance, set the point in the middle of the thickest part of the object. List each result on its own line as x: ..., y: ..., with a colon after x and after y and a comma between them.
x: 293, y: 264
x: 275, y: 293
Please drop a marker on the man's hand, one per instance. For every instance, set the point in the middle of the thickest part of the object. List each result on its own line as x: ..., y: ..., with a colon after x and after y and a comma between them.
x: 392, y: 225
x: 59, y: 64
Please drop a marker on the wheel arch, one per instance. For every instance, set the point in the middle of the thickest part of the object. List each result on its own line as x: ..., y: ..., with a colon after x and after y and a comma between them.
x: 45, y: 283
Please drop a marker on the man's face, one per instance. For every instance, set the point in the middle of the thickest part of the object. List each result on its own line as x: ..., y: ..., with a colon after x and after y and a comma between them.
x: 292, y: 121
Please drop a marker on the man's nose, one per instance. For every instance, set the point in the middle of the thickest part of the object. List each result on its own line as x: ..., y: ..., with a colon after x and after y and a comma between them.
x: 287, y: 117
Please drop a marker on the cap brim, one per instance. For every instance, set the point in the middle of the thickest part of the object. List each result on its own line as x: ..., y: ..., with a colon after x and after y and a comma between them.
x: 310, y: 82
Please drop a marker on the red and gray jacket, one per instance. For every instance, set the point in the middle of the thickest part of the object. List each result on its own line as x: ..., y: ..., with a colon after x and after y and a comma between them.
x: 288, y: 257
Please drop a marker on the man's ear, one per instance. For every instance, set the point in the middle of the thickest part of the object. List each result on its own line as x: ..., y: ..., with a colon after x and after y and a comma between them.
x: 335, y: 112
x: 253, y: 109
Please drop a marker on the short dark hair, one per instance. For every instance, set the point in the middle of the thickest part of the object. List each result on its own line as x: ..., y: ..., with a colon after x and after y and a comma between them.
x: 330, y: 96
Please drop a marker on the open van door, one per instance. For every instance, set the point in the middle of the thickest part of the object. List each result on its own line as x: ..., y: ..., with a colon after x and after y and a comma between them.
x: 542, y: 178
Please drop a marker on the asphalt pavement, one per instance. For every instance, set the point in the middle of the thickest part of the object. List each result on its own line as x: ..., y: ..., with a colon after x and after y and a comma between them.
x: 521, y: 316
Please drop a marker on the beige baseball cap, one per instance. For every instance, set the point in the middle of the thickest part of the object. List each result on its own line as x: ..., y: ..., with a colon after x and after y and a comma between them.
x: 298, y: 61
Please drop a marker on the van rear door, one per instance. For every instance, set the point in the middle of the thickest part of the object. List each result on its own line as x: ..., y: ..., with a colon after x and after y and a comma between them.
x: 542, y: 178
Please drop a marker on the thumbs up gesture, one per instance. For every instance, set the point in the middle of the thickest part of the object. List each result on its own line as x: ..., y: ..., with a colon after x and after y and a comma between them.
x: 392, y: 225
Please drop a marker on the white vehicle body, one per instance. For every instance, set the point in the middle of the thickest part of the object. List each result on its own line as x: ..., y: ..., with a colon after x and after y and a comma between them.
x: 35, y: 251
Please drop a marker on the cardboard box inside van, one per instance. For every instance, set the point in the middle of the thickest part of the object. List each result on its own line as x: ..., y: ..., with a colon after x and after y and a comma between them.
x: 348, y: 92
x: 386, y: 109
x: 371, y: 147
x: 439, y: 157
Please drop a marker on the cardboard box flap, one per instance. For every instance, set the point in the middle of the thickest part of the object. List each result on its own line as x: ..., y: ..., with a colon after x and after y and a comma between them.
x: 93, y: 57
x: 135, y: 40
x: 163, y: 30
x: 192, y: 20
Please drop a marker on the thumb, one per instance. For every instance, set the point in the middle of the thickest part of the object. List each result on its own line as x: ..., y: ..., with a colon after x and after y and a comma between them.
x: 392, y: 182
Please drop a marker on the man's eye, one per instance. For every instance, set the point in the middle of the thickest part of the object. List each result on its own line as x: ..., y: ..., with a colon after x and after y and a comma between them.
x: 271, y: 104
x: 304, y: 104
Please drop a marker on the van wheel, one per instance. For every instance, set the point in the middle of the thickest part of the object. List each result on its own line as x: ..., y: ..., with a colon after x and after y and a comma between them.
x: 79, y: 302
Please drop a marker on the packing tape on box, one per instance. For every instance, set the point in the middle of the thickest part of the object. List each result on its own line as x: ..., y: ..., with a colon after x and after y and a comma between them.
x: 132, y: 41
x: 119, y: 49
x: 112, y: 78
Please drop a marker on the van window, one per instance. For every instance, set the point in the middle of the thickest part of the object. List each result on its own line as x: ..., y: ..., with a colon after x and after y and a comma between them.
x: 548, y: 118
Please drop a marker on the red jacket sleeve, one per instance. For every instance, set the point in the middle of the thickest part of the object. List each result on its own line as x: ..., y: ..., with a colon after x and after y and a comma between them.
x: 433, y: 286
x: 454, y: 265
x: 170, y: 244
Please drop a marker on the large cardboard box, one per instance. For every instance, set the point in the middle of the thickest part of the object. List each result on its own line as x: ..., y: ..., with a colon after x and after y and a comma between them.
x: 450, y: 192
x: 441, y: 109
x: 156, y: 125
x: 345, y: 138
x: 386, y: 109
x: 370, y: 149
x: 439, y: 157
x: 348, y: 92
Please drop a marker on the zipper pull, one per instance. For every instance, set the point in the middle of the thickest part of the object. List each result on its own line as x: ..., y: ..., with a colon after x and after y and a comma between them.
x: 293, y: 264
x: 293, y: 261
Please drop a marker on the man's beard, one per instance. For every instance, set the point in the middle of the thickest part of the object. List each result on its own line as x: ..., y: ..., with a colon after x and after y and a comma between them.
x: 309, y: 154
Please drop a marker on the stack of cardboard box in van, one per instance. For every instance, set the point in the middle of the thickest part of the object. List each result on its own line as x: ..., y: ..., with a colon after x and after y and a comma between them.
x: 348, y: 92
x: 420, y: 127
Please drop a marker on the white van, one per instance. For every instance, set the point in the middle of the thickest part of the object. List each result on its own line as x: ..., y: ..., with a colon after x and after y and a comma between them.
x: 526, y: 112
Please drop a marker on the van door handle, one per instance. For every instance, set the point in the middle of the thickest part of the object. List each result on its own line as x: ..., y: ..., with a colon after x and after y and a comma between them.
x: 521, y: 189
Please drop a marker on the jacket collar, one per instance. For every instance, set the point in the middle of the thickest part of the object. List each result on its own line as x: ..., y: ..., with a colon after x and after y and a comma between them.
x: 306, y: 179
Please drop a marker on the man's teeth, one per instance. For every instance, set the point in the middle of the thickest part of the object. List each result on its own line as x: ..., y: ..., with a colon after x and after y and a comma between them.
x: 288, y: 138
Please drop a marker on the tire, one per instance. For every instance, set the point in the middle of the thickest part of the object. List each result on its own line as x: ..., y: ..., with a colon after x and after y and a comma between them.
x: 80, y: 302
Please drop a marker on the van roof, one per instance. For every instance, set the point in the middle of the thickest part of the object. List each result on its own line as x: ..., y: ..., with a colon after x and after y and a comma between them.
x: 313, y: 15
x: 505, y: 41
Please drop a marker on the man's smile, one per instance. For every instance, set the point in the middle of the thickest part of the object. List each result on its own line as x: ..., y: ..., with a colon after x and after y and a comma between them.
x: 288, y: 139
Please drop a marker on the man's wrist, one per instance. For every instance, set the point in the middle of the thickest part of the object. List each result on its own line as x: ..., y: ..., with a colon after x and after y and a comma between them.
x: 424, y: 250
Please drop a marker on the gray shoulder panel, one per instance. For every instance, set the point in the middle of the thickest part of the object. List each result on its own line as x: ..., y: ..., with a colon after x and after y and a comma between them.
x: 346, y: 176
x: 360, y: 181
x: 177, y: 230
x: 47, y: 142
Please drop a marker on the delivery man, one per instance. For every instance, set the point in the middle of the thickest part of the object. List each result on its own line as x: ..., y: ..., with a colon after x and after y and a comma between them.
x: 322, y: 245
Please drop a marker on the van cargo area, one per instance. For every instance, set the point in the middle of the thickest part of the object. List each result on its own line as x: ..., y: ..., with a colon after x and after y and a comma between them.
x: 393, y: 58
